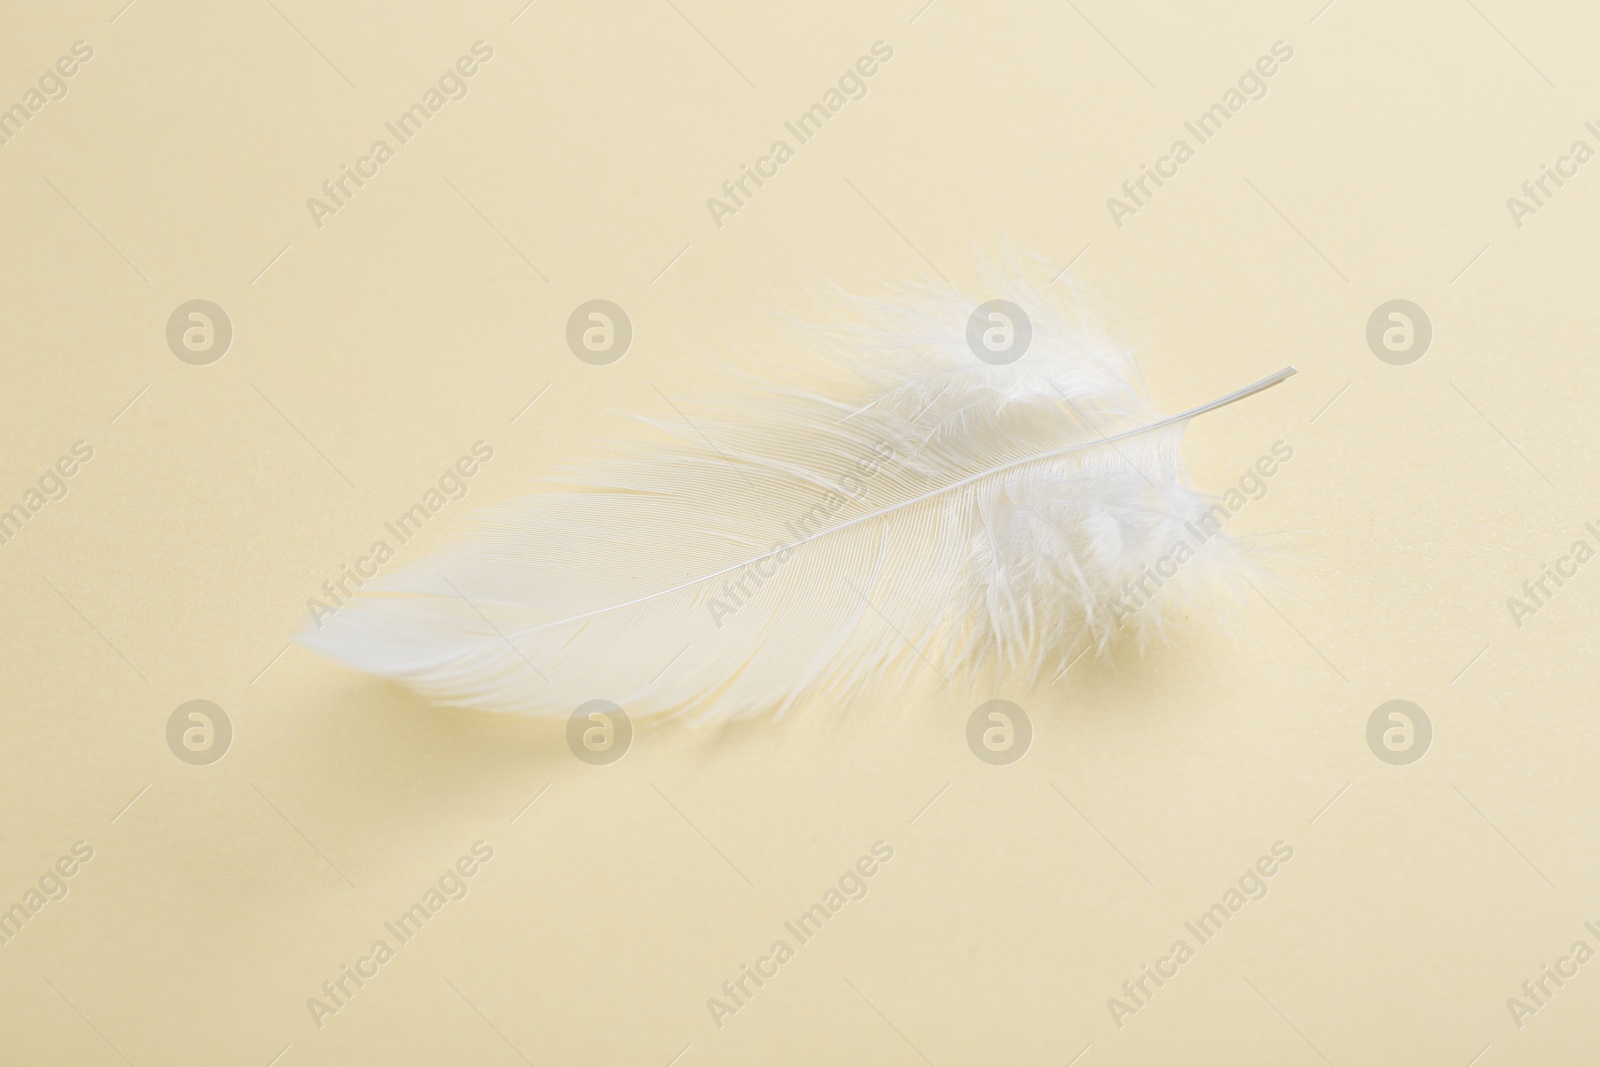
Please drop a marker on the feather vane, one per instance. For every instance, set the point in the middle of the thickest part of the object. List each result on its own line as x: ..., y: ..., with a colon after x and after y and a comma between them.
x: 932, y: 512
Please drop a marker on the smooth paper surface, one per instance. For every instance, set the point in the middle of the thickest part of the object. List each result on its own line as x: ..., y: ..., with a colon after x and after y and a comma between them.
x: 1350, y: 881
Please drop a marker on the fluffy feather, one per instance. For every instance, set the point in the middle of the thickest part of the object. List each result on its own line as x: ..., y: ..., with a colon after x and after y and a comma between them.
x: 931, y: 513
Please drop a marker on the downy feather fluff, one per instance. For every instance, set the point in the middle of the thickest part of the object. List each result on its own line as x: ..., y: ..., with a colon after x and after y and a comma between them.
x: 925, y: 512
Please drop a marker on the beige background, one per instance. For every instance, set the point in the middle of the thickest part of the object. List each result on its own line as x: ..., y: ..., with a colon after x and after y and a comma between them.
x: 371, y: 353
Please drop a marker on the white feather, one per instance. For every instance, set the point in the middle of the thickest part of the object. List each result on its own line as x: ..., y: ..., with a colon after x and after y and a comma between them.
x: 931, y: 513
